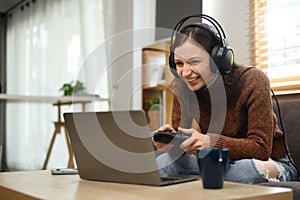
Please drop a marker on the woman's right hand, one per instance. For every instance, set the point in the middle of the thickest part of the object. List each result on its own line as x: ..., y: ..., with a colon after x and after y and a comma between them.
x: 162, y: 146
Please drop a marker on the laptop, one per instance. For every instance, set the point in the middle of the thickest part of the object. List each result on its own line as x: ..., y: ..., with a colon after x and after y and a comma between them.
x: 116, y: 146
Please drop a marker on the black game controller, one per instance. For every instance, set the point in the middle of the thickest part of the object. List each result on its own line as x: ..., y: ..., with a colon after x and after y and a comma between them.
x: 167, y: 137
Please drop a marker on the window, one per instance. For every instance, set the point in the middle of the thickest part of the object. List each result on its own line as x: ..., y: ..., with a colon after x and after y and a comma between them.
x: 47, y: 43
x: 275, y: 41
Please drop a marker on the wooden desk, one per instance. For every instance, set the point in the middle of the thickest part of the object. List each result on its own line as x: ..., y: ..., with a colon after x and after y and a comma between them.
x: 57, y: 101
x: 43, y: 185
x: 51, y: 99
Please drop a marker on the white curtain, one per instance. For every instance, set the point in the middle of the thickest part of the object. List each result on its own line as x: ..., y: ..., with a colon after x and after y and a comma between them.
x: 49, y: 43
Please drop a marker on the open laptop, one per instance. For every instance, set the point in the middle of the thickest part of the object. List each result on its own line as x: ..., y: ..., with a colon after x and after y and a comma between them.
x: 116, y: 147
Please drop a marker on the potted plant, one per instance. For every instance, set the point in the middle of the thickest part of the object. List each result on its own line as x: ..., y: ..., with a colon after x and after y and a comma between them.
x: 152, y: 107
x: 70, y: 88
x: 78, y: 87
x: 152, y: 104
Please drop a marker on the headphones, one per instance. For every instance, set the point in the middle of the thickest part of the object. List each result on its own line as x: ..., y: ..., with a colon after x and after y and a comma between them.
x: 221, y: 54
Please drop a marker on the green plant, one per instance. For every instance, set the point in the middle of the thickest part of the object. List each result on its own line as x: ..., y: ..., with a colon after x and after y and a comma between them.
x: 70, y: 88
x: 153, y: 104
x: 78, y: 87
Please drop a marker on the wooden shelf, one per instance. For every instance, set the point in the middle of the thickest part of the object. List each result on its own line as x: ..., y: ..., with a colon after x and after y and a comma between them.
x: 155, y: 59
x: 156, y: 87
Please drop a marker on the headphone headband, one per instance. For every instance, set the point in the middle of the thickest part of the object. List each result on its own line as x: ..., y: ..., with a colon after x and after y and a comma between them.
x: 214, y: 22
x: 221, y: 54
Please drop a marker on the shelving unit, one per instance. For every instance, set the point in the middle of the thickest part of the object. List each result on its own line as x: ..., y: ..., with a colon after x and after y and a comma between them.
x: 157, y: 79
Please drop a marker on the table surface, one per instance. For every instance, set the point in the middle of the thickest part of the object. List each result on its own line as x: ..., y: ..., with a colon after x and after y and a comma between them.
x: 42, y: 185
x: 35, y: 98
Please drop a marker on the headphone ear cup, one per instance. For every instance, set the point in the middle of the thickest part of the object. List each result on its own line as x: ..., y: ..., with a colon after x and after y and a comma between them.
x: 228, y: 59
x: 171, y: 61
x: 223, y: 58
x: 172, y: 64
x: 216, y: 59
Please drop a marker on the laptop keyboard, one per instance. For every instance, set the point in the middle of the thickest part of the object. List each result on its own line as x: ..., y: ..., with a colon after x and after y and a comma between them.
x: 169, y: 178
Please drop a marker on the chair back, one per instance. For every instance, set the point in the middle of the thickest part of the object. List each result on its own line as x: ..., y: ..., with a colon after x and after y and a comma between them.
x: 290, y: 116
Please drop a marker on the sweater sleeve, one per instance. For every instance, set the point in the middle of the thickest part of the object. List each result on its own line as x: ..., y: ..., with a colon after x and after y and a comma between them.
x: 255, y: 101
x: 181, y: 117
x: 176, y: 113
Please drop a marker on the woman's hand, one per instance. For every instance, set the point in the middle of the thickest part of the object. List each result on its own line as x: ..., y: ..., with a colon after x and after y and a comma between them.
x: 196, y: 140
x: 162, y: 146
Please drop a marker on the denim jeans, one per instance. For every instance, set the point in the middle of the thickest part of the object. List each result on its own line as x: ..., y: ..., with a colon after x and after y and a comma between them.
x: 242, y: 171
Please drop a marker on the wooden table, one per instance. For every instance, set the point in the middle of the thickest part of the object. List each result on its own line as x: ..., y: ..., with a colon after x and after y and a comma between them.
x: 43, y: 185
x: 57, y: 101
x: 52, y: 99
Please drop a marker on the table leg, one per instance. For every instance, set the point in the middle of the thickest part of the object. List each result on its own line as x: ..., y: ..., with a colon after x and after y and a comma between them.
x: 71, y: 161
x: 50, y: 148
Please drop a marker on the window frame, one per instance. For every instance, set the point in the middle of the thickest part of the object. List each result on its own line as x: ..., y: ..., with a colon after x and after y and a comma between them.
x: 259, y: 49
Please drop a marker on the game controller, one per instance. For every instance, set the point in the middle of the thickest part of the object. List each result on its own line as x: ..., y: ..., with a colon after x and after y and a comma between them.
x: 167, y: 137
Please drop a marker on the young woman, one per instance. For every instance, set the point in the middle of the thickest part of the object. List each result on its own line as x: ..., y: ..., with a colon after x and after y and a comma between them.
x: 231, y: 106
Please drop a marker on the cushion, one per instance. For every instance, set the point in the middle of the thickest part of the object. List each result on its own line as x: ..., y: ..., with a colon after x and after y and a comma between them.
x: 290, y: 115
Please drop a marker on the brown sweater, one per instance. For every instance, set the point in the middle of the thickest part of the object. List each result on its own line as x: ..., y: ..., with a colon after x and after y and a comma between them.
x: 241, y: 118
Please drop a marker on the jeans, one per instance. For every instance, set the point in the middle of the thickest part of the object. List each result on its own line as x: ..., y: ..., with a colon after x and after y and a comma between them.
x: 242, y: 171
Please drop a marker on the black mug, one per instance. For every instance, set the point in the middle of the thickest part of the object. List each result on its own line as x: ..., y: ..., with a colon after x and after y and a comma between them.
x: 213, y: 163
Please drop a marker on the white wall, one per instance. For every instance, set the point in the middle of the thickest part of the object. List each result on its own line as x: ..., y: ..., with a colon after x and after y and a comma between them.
x: 133, y: 28
x: 233, y: 15
x: 144, y: 24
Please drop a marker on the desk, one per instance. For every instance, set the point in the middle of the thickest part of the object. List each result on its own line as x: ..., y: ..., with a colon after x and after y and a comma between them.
x: 61, y: 100
x: 57, y: 101
x: 43, y: 185
x: 51, y: 99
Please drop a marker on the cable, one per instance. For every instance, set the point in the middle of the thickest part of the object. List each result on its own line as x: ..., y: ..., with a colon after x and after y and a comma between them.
x: 238, y: 79
x: 283, y: 131
x: 279, y: 116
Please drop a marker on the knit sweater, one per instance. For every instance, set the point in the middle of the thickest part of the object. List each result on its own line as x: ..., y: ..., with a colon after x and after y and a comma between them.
x: 237, y: 115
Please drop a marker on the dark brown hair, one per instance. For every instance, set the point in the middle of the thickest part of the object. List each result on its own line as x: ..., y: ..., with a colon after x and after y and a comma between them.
x: 199, y: 35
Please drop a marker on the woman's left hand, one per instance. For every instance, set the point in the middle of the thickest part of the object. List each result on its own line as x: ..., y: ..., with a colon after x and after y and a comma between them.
x: 196, y: 140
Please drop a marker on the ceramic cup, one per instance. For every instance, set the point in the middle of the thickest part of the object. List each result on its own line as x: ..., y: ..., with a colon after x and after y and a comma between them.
x: 213, y: 163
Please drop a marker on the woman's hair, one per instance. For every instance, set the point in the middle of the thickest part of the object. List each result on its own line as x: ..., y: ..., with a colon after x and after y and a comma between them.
x: 199, y: 35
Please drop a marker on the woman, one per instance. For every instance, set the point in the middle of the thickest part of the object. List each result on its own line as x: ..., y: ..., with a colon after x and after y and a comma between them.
x: 231, y: 106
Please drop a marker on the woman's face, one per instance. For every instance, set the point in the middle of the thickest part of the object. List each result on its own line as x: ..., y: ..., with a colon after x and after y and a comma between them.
x: 192, y: 64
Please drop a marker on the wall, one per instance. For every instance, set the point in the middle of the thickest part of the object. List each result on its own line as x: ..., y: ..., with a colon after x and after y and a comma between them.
x: 3, y: 24
x: 119, y: 42
x: 132, y: 28
x: 2, y: 90
x: 233, y: 15
x: 144, y: 34
x: 6, y: 5
x: 169, y: 12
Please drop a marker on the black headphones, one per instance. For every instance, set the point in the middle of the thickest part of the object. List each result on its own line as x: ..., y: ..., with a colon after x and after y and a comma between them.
x: 221, y: 54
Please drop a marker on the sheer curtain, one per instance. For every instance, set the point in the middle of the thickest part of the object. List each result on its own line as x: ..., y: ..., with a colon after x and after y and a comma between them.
x: 48, y: 43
